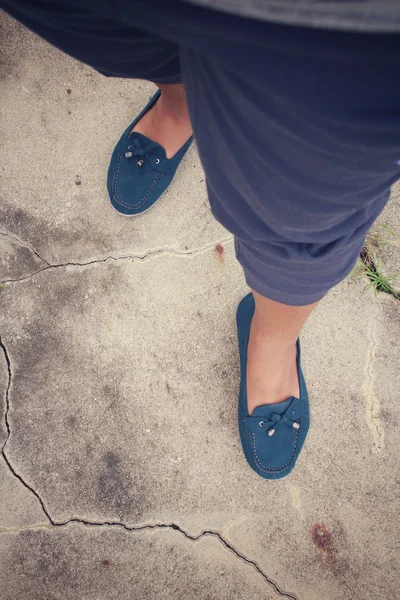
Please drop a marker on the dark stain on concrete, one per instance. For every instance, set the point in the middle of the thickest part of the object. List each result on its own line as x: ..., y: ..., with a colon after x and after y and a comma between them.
x: 50, y: 565
x: 117, y: 494
x: 219, y: 252
x: 111, y: 394
x: 389, y: 418
x: 89, y: 450
x: 38, y: 351
x: 331, y: 547
x: 72, y: 421
x: 321, y: 537
x: 37, y: 229
x: 112, y: 460
x: 15, y: 217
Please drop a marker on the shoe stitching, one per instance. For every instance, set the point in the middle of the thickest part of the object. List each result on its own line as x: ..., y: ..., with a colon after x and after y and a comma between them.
x: 258, y: 461
x: 143, y: 200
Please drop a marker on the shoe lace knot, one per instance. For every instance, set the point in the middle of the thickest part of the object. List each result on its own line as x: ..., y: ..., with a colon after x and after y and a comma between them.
x: 275, y: 420
x: 135, y: 149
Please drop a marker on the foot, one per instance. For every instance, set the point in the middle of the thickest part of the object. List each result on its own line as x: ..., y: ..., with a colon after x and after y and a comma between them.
x: 271, y: 369
x: 167, y: 123
x: 139, y: 171
x: 273, y: 436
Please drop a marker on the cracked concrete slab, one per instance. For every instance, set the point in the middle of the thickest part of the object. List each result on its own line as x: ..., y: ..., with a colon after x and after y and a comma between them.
x: 127, y: 374
x: 53, y: 175
x: 81, y: 562
x: 124, y: 366
x: 18, y: 507
x: 18, y: 260
x: 107, y: 358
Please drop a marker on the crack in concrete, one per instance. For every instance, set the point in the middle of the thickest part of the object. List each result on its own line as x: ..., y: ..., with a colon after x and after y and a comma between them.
x: 8, y: 430
x: 25, y: 245
x: 132, y: 529
x: 7, y: 393
x: 166, y: 251
x: 118, y: 524
x: 173, y: 526
x: 189, y: 536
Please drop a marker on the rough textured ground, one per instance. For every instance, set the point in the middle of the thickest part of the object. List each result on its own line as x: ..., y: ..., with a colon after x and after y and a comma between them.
x: 121, y: 473
x: 387, y: 235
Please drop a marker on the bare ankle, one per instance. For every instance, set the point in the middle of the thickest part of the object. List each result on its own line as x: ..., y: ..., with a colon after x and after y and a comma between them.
x: 167, y: 122
x: 173, y: 100
x: 172, y: 108
x: 271, y: 370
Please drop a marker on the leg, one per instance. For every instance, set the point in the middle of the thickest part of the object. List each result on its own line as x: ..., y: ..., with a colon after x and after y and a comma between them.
x: 298, y: 181
x: 298, y: 133
x: 300, y: 144
x: 94, y: 33
x: 271, y: 359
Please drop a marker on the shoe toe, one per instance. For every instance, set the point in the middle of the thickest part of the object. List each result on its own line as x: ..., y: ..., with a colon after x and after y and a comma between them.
x: 133, y: 186
x: 272, y: 452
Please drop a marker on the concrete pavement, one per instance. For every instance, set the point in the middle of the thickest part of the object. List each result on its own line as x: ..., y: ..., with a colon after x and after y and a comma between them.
x: 122, y: 474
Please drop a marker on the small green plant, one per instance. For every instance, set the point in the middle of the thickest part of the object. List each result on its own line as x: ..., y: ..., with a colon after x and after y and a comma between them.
x: 370, y: 264
x: 380, y: 282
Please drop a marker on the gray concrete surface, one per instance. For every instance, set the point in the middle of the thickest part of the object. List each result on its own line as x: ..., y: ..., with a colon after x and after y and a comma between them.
x: 122, y: 474
x: 389, y: 252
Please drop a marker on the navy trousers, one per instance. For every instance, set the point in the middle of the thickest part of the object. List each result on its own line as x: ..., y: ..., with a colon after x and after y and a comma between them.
x: 298, y: 129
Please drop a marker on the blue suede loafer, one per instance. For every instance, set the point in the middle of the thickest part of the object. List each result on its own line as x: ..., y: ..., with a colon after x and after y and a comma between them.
x: 139, y: 171
x: 273, y: 436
